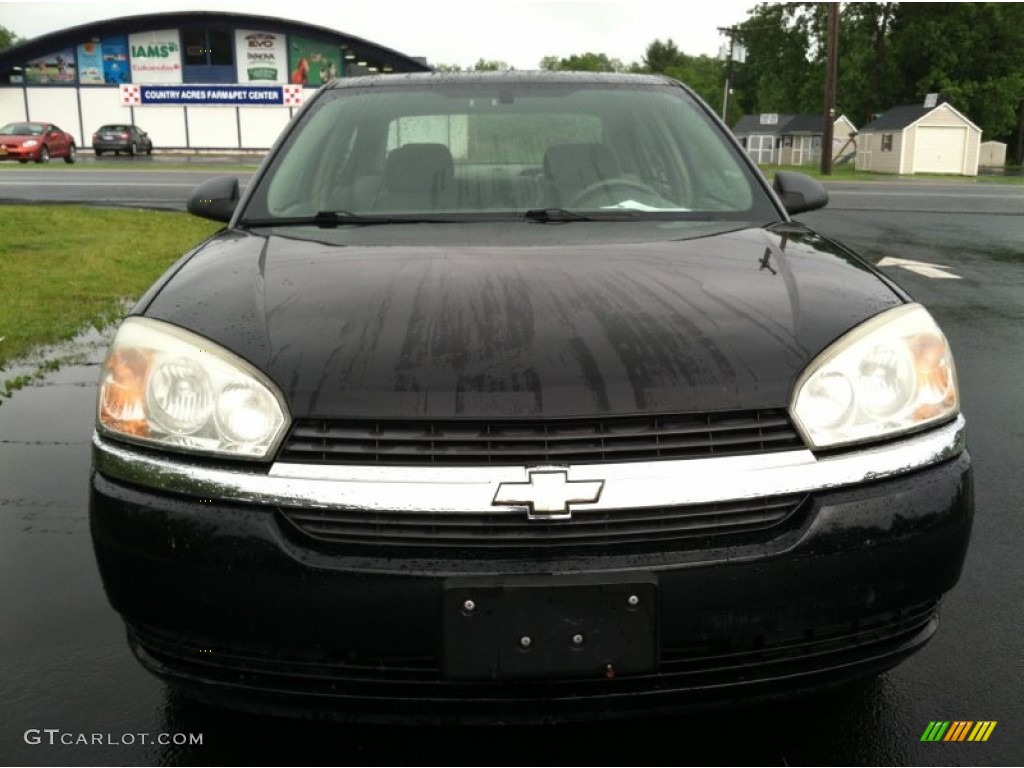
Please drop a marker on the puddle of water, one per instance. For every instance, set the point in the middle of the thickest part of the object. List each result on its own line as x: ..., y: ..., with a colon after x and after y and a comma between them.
x: 87, y: 348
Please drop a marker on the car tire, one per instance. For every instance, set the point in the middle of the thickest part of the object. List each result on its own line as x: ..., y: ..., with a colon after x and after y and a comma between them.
x: 149, y: 150
x: 133, y: 149
x: 72, y: 155
x: 44, y: 155
x: 99, y: 152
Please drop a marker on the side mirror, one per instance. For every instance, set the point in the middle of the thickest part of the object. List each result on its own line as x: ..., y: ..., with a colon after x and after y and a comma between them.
x: 215, y: 199
x: 799, y: 192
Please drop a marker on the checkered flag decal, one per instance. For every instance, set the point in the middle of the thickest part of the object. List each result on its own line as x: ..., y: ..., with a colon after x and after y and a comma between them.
x: 130, y: 95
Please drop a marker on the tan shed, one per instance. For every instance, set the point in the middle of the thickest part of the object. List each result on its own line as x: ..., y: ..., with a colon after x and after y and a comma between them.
x: 917, y: 139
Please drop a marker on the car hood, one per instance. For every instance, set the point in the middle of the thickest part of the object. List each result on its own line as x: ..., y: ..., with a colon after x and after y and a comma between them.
x: 17, y: 141
x: 449, y: 328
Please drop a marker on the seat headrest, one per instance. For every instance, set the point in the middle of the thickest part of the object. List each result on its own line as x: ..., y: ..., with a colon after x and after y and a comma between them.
x: 418, y: 167
x: 573, y: 167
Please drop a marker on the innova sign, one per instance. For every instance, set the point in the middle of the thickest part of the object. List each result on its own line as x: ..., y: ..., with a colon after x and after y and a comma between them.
x: 262, y: 57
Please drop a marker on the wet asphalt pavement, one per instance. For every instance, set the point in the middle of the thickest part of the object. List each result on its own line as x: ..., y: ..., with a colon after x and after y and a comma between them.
x: 66, y: 673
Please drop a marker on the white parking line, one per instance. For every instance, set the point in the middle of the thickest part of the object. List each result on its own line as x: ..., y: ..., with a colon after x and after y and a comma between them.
x: 936, y: 271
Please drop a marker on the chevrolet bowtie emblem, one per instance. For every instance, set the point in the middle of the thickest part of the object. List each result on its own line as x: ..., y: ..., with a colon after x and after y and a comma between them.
x: 548, y: 494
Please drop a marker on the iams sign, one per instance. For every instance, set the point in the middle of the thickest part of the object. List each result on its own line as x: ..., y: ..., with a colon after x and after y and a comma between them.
x: 154, y: 51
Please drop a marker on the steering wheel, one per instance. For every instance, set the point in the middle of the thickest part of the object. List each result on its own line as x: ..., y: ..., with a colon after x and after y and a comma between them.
x: 607, y: 186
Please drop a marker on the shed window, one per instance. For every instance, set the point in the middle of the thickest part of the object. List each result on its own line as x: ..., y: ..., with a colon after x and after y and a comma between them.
x: 887, y: 142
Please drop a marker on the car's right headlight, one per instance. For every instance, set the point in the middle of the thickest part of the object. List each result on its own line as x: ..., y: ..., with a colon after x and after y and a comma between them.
x: 891, y: 375
x: 170, y: 388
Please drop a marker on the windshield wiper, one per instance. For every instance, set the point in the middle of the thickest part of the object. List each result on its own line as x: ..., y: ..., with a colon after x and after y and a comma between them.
x: 332, y: 219
x: 565, y: 216
x: 554, y: 215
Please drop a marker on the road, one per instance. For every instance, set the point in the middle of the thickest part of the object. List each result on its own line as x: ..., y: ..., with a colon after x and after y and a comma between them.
x: 64, y: 663
x: 121, y: 181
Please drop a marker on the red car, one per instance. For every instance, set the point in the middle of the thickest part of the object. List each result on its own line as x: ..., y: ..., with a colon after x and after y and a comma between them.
x: 37, y: 142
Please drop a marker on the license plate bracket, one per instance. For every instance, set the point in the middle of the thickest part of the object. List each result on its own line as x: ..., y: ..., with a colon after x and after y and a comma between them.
x: 537, y: 629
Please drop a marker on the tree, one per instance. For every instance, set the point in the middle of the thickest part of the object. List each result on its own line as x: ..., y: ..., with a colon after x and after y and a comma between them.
x: 660, y: 57
x: 972, y: 54
x: 869, y: 81
x: 704, y: 74
x: 7, y: 38
x: 492, y: 65
x: 583, y: 62
x: 784, y: 70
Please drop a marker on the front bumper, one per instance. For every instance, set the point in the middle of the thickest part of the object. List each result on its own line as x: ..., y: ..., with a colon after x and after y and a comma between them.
x: 20, y: 154
x: 258, y: 602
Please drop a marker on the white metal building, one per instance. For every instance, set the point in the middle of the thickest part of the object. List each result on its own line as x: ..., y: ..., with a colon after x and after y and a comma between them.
x: 192, y: 80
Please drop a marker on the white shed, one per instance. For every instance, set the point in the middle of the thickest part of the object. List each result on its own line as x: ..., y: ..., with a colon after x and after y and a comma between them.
x: 918, y: 139
x: 772, y: 139
x: 993, y: 154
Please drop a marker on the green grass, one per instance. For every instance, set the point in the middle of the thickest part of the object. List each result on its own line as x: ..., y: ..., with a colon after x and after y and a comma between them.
x: 847, y: 172
x: 63, y: 268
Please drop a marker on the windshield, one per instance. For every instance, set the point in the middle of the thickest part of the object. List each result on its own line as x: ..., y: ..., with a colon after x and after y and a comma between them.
x: 469, y: 148
x: 22, y: 129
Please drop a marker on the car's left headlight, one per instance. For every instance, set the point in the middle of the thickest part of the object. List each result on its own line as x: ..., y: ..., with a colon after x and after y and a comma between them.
x: 167, y: 387
x: 30, y: 143
x: 891, y: 375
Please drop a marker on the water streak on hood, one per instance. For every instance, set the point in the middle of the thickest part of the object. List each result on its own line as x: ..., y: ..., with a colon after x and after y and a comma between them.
x: 463, y: 330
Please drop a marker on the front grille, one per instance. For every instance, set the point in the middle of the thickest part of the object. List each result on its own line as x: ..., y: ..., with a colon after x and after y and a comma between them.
x: 560, y: 441
x: 418, y: 681
x: 750, y: 652
x: 498, y: 529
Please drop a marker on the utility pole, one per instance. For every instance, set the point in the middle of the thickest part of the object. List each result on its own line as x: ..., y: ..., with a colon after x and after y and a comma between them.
x: 731, y: 33
x: 831, y: 74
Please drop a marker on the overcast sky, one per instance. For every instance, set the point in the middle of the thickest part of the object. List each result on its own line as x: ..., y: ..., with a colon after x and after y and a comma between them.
x: 519, y: 32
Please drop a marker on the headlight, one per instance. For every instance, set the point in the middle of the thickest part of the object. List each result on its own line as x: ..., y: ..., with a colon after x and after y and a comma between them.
x: 30, y: 143
x: 164, y: 386
x: 891, y: 375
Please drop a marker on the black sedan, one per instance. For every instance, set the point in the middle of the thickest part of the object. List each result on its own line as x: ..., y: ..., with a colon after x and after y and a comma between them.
x: 119, y: 137
x: 522, y: 397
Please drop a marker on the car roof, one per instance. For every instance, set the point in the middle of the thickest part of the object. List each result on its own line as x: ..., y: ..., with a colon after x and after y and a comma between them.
x: 426, y: 79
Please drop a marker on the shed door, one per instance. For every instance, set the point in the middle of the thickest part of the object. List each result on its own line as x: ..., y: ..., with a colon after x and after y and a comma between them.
x: 761, y: 149
x: 939, y: 150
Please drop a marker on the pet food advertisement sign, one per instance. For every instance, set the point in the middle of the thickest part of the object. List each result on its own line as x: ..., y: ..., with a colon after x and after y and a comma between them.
x: 156, y: 57
x: 312, y: 62
x: 262, y: 57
